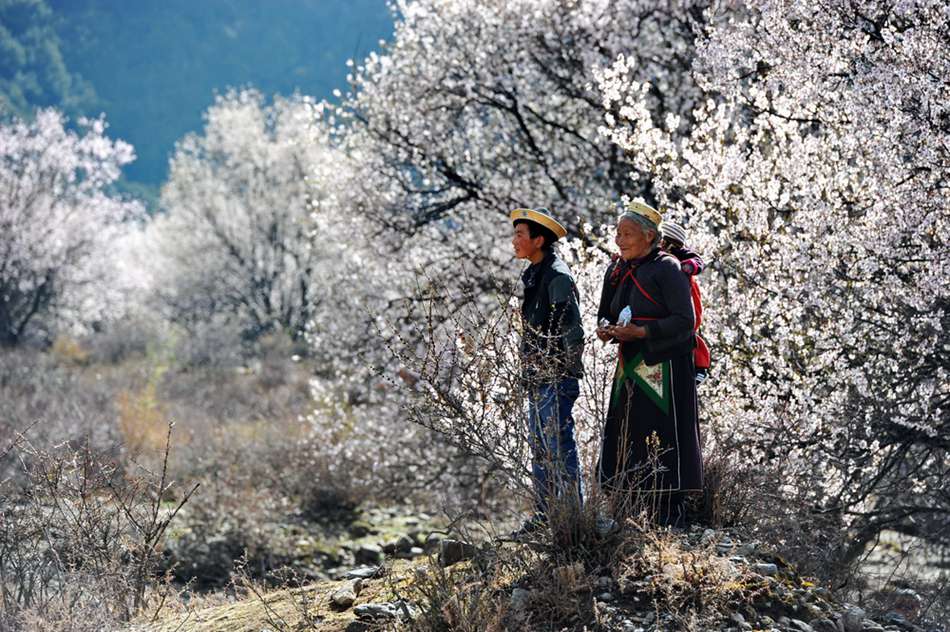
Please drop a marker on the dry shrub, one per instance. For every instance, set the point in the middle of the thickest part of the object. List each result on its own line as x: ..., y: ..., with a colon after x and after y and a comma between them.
x: 79, y: 542
x: 68, y: 351
x: 693, y: 585
x: 56, y: 403
x: 756, y: 499
x: 467, y: 597
x: 730, y: 495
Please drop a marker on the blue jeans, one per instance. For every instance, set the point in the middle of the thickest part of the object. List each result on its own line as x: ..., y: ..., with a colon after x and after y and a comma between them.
x: 551, y: 436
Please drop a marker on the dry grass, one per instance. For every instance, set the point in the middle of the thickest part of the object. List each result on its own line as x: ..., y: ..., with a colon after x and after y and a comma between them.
x: 696, y: 587
x: 305, y: 608
x: 141, y: 420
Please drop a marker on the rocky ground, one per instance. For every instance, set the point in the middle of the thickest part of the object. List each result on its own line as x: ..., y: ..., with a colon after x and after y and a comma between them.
x: 206, y: 554
x: 384, y: 571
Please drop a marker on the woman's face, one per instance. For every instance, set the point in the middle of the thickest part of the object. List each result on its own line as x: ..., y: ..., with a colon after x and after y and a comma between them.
x: 632, y: 240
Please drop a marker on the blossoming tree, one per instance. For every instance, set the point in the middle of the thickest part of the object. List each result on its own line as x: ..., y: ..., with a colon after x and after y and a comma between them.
x: 59, y: 224
x: 476, y: 108
x: 235, y: 242
x: 815, y: 177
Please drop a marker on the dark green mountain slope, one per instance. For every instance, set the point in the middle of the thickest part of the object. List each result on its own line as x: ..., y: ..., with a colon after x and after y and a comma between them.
x: 32, y: 70
x: 155, y: 64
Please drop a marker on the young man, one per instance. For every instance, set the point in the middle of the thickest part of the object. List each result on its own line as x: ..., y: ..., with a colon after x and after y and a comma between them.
x: 552, y: 346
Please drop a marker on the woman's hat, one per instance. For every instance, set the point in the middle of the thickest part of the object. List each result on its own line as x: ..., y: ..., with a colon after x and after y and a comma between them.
x: 673, y: 231
x: 540, y: 216
x: 647, y: 212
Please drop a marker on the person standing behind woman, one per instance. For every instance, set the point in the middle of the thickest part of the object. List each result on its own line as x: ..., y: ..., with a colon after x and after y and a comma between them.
x: 673, y: 241
x: 647, y: 308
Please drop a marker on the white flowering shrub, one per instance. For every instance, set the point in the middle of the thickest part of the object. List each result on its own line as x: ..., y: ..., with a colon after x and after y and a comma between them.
x: 60, y: 226
x: 475, y: 108
x: 814, y: 177
x: 237, y: 243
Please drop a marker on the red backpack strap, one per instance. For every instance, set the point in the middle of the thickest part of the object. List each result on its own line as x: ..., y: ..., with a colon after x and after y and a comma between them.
x: 697, y: 302
x: 640, y: 287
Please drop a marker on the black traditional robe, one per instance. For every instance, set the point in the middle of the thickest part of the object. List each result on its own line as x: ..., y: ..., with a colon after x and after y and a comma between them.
x: 653, y: 399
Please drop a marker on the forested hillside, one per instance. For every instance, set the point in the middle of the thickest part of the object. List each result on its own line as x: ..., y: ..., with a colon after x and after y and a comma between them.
x: 154, y: 66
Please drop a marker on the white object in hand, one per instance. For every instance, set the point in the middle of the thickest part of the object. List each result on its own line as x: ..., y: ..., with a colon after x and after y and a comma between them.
x: 604, y: 323
x: 625, y: 316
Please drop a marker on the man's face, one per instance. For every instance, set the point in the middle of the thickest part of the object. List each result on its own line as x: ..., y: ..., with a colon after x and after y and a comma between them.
x: 525, y: 247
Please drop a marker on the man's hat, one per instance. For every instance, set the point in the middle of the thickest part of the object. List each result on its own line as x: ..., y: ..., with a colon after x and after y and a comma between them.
x: 647, y: 212
x: 673, y: 231
x: 540, y: 216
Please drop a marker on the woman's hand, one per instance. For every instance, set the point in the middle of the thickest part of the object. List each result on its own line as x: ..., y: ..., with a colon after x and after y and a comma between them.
x: 604, y: 333
x: 626, y: 333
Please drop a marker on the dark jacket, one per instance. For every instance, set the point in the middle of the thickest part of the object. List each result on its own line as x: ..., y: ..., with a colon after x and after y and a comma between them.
x: 553, y: 337
x: 662, y: 303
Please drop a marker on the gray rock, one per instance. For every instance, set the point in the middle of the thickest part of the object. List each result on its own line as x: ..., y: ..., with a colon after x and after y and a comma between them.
x: 907, y: 602
x: 895, y: 618
x: 746, y: 548
x: 605, y: 597
x: 360, y: 529
x: 708, y: 536
x: 369, y: 554
x: 376, y: 611
x: 813, y: 611
x: 358, y: 626
x: 416, y: 551
x: 736, y: 617
x: 871, y: 626
x: 364, y: 572
x: 454, y: 551
x: 798, y: 624
x: 604, y: 583
x: 605, y: 526
x: 345, y: 595
x: 404, y: 543
x: 405, y: 610
x: 765, y: 568
x: 824, y: 625
x: 519, y: 601
x: 853, y: 619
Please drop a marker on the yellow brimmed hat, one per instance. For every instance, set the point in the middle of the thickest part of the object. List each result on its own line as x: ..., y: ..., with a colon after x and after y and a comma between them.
x: 539, y: 216
x: 645, y: 211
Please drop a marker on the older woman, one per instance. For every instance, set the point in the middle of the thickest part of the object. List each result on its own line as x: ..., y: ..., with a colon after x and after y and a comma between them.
x: 651, y: 436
